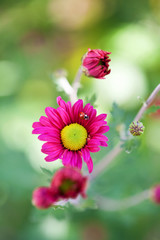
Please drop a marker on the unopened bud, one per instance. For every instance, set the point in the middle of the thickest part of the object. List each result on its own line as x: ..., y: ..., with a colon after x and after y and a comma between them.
x: 136, y: 128
x: 155, y: 194
x: 96, y: 63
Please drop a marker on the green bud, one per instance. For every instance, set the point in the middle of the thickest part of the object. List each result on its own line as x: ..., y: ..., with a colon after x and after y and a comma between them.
x: 136, y: 128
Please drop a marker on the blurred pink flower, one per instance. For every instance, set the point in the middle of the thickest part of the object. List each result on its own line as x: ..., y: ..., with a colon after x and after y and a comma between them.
x: 66, y: 183
x: 43, y: 197
x: 96, y: 63
x: 156, y: 194
x: 70, y: 137
x: 69, y: 183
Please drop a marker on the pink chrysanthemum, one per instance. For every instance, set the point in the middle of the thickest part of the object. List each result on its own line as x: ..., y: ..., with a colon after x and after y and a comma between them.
x: 69, y: 183
x: 96, y: 63
x: 70, y: 136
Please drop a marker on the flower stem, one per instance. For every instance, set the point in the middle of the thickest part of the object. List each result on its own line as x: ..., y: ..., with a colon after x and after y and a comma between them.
x: 109, y: 204
x: 147, y: 103
x: 101, y: 166
x: 76, y: 85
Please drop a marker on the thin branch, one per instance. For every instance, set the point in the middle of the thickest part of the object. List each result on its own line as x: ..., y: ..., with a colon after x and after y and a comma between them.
x: 101, y: 166
x: 76, y: 82
x: 109, y: 204
x: 76, y: 85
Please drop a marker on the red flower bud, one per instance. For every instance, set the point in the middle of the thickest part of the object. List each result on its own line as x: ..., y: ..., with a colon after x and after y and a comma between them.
x: 68, y: 183
x: 43, y: 197
x: 96, y: 63
x: 156, y: 194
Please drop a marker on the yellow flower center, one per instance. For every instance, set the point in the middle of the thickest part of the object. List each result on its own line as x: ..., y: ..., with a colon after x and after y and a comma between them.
x: 74, y: 136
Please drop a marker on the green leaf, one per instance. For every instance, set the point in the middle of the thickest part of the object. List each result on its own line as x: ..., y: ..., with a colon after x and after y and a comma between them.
x: 130, y: 144
x: 46, y: 171
x: 88, y: 204
x: 117, y: 113
x: 91, y: 100
x: 152, y: 109
x: 55, y: 207
x: 59, y: 211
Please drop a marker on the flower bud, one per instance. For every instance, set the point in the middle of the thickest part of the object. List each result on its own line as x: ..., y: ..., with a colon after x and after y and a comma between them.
x: 69, y: 183
x: 136, y: 128
x: 155, y: 194
x: 43, y: 197
x: 96, y: 63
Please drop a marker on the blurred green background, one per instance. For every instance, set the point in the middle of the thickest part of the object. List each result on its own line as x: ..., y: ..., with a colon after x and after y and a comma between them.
x: 38, y: 37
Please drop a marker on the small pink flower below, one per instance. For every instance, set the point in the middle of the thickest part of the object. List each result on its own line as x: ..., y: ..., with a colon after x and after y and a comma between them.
x: 69, y: 183
x: 66, y: 183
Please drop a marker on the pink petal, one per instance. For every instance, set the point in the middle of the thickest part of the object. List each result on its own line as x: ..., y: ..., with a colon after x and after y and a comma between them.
x: 100, y: 137
x: 73, y: 159
x: 90, y: 165
x: 64, y: 116
x: 103, y: 144
x: 37, y: 125
x: 48, y: 145
x: 90, y: 63
x: 87, y: 108
x: 69, y: 110
x: 101, y: 117
x: 85, y: 154
x: 103, y: 129
x: 79, y: 160
x: 93, y: 142
x: 48, y: 137
x: 45, y: 121
x: 77, y: 108
x: 62, y: 103
x: 93, y: 148
x: 66, y: 159
x: 41, y: 130
x: 95, y: 71
x: 87, y: 158
x: 92, y: 129
x: 54, y: 147
x: 54, y: 117
x: 93, y: 114
x: 54, y: 156
x: 66, y: 106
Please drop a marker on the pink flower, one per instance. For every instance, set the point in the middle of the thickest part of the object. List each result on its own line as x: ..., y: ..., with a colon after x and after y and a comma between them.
x: 156, y: 194
x: 69, y: 183
x: 43, y: 197
x: 66, y: 183
x: 70, y: 136
x: 96, y: 63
